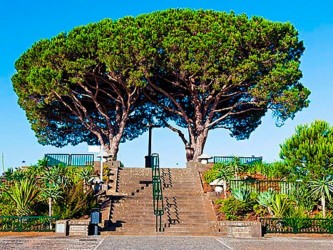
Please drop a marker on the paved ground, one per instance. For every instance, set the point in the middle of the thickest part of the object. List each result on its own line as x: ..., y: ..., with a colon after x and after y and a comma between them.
x: 163, y: 243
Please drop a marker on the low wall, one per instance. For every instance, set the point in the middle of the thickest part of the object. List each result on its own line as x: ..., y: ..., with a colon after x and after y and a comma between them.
x: 79, y: 227
x: 240, y: 229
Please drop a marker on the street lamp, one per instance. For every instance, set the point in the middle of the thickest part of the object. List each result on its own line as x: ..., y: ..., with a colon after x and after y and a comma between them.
x: 148, y: 157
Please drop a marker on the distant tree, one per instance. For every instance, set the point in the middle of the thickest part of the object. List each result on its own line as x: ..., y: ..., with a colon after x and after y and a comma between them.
x: 309, y: 152
x: 218, y: 70
x: 84, y: 86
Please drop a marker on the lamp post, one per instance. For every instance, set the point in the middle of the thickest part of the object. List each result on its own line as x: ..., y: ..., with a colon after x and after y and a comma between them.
x: 150, y: 132
x: 101, y: 165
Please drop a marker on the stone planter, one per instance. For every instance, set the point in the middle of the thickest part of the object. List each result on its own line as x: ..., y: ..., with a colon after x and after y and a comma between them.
x: 79, y: 227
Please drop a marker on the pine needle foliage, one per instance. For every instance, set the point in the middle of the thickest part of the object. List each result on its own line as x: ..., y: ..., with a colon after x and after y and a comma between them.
x: 309, y: 152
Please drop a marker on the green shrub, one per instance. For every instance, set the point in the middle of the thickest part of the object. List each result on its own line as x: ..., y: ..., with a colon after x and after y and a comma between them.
x: 231, y: 217
x: 75, y: 203
x: 259, y: 210
x: 233, y: 208
x: 297, y: 223
x: 7, y: 205
x: 256, y: 167
x: 325, y: 223
x: 303, y: 197
x: 274, y: 170
x: 297, y: 212
x: 218, y: 201
x: 214, y: 173
x: 277, y: 170
x: 297, y: 218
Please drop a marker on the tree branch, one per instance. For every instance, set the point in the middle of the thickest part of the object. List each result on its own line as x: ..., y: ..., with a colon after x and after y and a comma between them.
x: 181, y: 135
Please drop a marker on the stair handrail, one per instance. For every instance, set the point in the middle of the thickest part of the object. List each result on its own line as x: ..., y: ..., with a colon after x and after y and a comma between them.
x: 157, y: 192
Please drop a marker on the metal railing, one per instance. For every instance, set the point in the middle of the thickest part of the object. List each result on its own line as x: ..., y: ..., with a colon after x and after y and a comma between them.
x: 296, y: 225
x: 27, y: 223
x: 242, y: 160
x: 260, y: 186
x: 80, y: 160
x: 157, y: 192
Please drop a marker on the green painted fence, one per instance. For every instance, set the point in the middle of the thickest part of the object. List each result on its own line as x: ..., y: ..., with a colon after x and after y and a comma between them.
x: 296, y: 225
x: 259, y: 186
x: 242, y: 160
x: 80, y: 160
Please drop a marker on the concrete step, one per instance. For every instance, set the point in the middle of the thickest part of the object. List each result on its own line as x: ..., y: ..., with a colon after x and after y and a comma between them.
x: 126, y: 217
x: 137, y: 226
x: 135, y: 210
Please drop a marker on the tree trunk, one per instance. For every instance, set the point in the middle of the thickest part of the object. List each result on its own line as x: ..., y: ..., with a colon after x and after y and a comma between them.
x: 225, y: 188
x: 114, y: 151
x: 196, y: 147
x: 50, y: 210
x: 113, y: 148
x: 84, y: 186
x: 50, y: 206
x: 323, y: 203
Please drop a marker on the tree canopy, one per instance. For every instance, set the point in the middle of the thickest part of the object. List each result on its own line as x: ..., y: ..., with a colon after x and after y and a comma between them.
x: 72, y: 91
x: 220, y: 70
x: 309, y: 152
x: 179, y: 68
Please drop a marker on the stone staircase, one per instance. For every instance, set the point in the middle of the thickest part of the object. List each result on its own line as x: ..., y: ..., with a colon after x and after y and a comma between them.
x: 131, y: 206
x: 187, y: 211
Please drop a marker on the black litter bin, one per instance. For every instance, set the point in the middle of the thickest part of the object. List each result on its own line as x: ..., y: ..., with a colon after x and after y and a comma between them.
x: 95, y: 218
x: 148, y: 161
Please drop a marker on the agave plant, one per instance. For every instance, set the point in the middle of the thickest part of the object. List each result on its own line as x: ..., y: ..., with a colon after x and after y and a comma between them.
x: 24, y: 194
x: 265, y: 199
x: 280, y: 205
x: 241, y: 194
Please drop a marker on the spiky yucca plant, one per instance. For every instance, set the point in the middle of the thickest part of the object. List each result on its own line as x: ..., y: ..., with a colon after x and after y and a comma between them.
x: 322, y: 188
x: 24, y: 193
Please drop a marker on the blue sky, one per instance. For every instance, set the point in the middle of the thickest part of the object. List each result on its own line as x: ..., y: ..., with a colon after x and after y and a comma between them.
x: 23, y: 23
